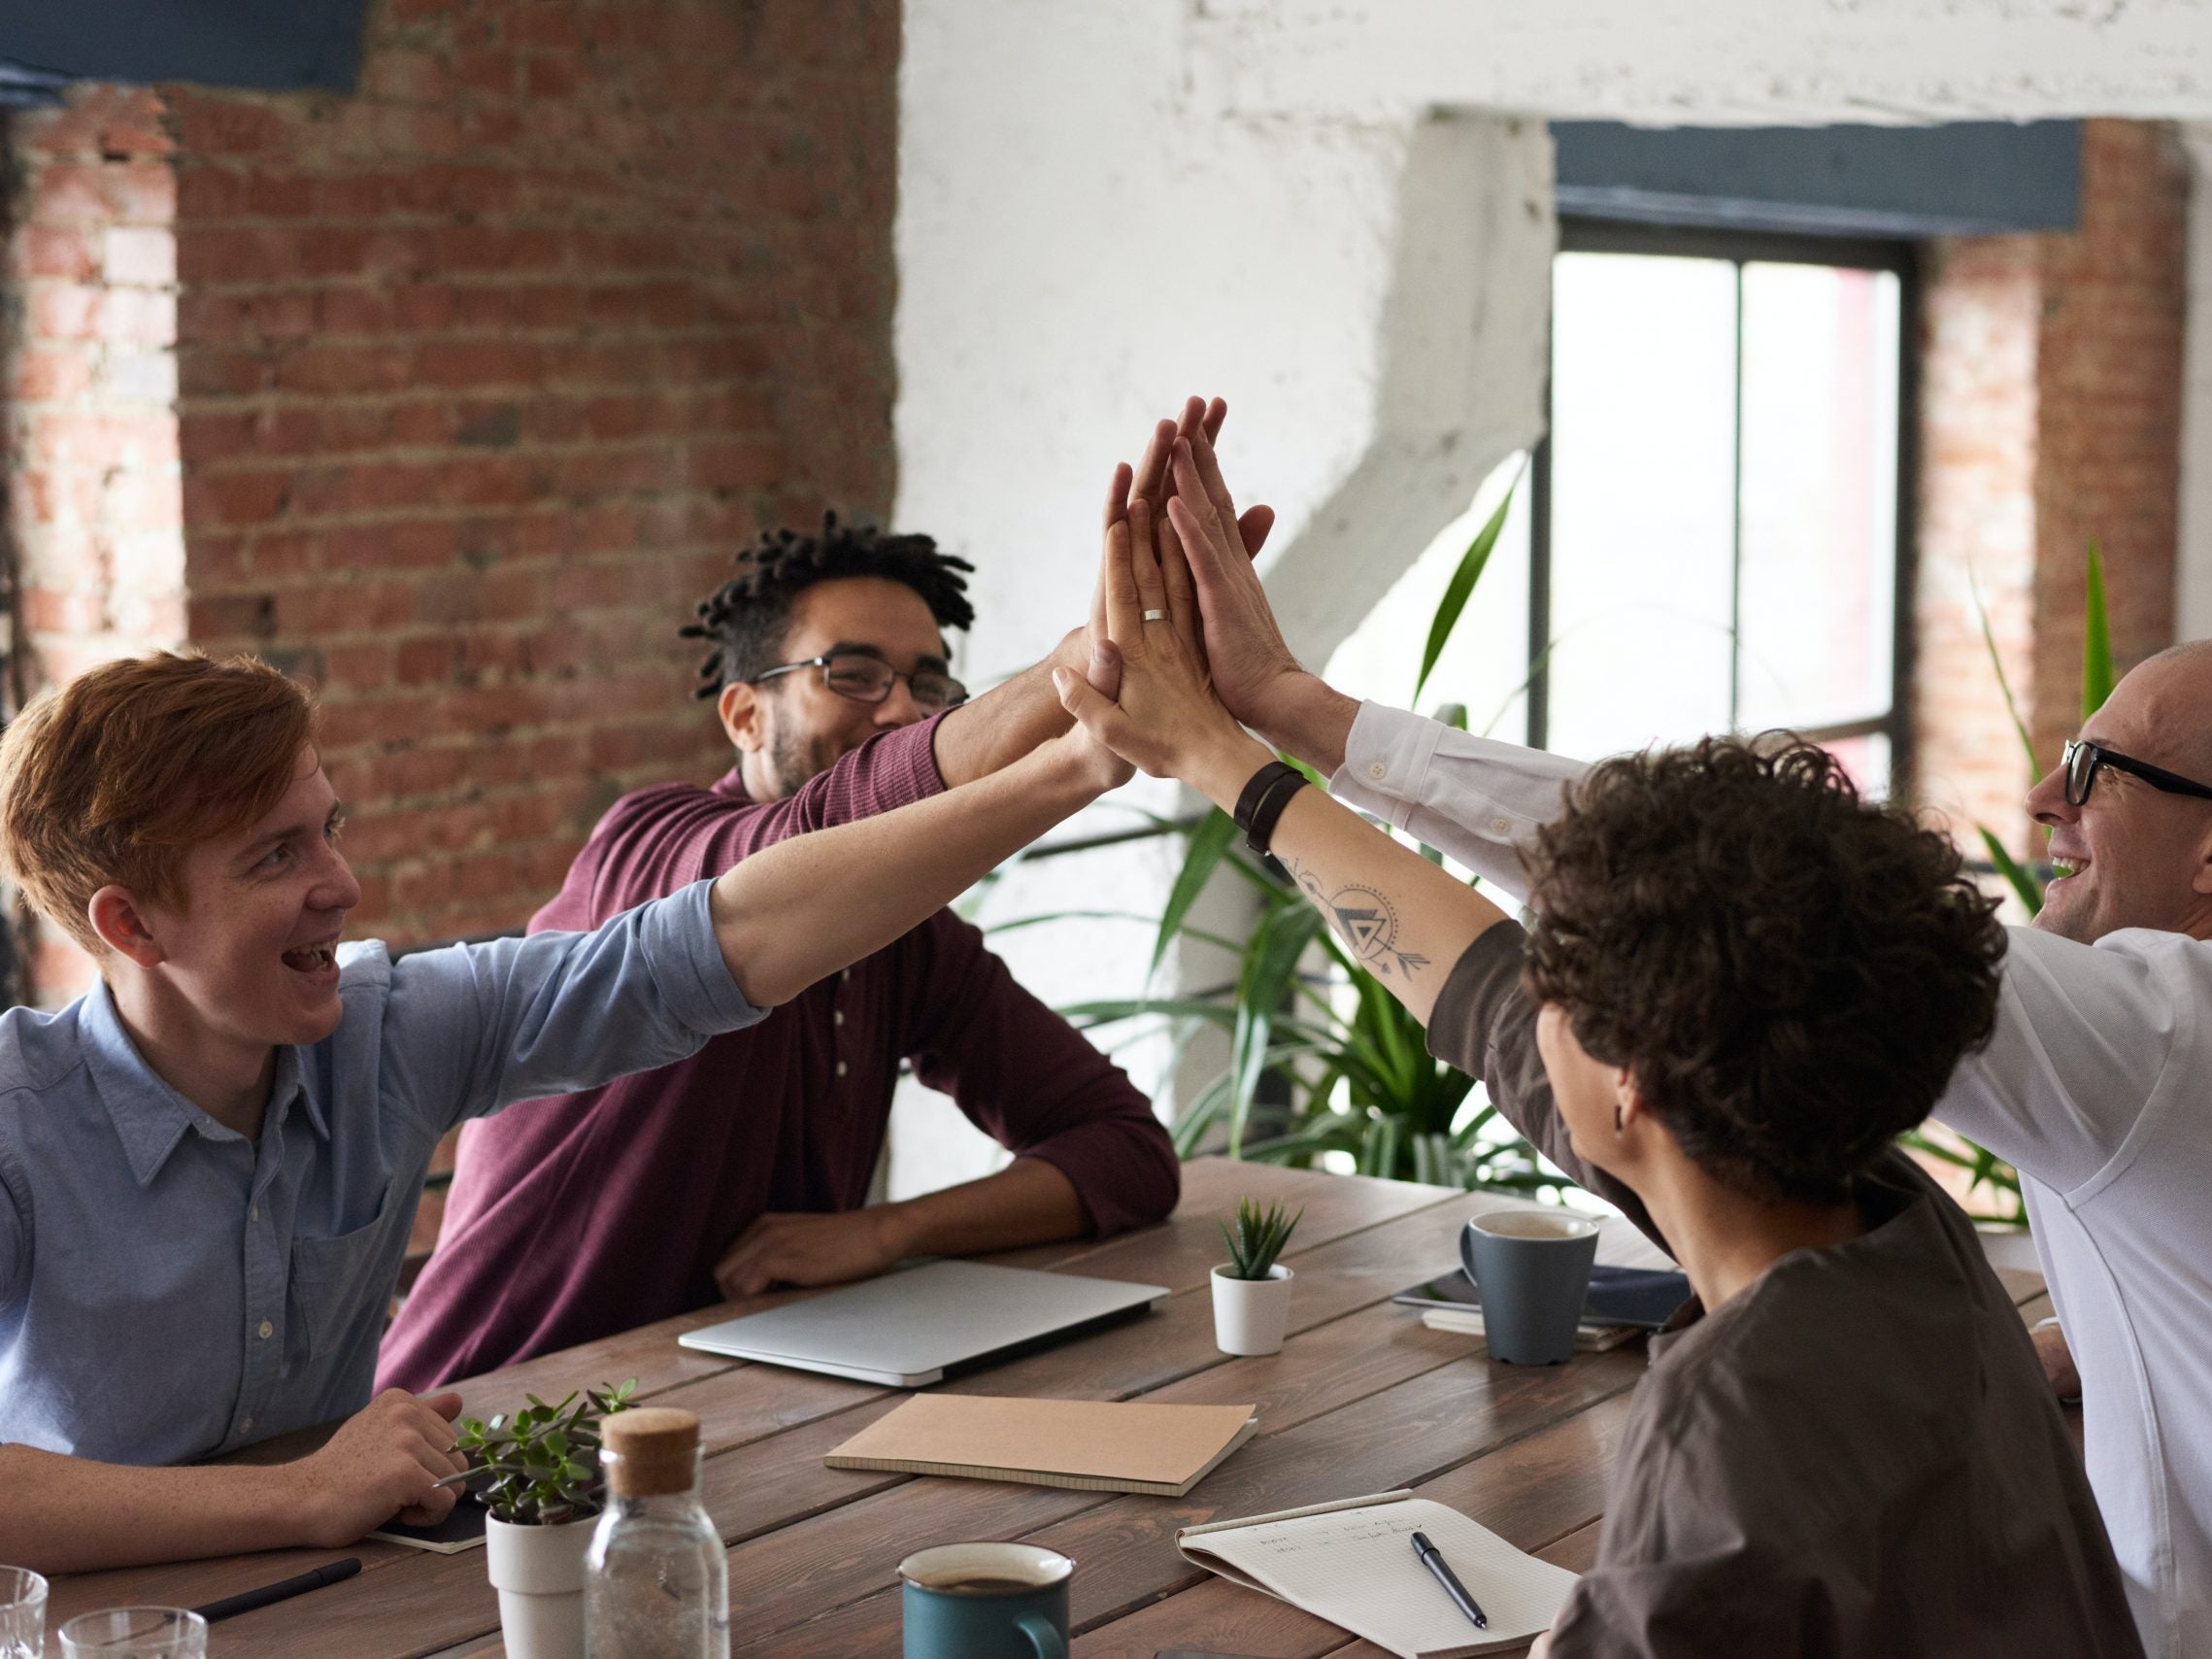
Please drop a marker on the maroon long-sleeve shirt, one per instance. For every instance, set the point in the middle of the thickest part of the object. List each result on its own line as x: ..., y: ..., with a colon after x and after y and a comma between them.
x: 575, y: 1217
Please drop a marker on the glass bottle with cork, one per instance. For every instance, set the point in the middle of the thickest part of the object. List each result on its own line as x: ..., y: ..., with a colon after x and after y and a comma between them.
x: 656, y: 1581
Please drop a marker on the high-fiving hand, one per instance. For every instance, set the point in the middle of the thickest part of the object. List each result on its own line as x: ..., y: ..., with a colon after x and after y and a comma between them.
x: 1164, y: 716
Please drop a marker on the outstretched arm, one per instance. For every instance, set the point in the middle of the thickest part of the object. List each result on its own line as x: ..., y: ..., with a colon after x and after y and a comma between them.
x: 804, y: 908
x: 1008, y: 720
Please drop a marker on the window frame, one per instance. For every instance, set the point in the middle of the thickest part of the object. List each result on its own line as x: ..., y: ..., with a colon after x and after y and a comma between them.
x: 1578, y: 235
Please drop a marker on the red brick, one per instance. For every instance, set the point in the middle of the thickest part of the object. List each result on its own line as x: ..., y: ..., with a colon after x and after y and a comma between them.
x: 50, y: 373
x: 477, y: 389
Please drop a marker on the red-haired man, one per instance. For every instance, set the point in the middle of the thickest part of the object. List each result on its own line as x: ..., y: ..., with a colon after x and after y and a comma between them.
x: 209, y: 1163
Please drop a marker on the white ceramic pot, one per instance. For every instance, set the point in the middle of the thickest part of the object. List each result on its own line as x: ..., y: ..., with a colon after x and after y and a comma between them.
x: 539, y: 1575
x: 1249, y: 1315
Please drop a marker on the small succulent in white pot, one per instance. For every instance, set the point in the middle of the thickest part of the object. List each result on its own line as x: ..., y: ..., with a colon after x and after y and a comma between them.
x: 1252, y: 1293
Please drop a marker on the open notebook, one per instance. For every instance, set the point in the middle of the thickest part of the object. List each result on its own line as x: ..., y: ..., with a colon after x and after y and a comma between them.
x: 1352, y: 1563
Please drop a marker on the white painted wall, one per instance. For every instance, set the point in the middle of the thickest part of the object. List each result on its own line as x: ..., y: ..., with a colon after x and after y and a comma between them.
x: 1081, y: 244
x: 1712, y: 62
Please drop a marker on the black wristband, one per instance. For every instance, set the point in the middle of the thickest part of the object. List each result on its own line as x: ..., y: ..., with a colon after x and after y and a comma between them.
x: 1262, y: 800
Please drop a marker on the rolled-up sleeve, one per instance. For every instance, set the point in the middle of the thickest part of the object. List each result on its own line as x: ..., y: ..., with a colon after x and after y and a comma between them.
x: 472, y: 1028
x: 1033, y: 1082
x: 1473, y: 798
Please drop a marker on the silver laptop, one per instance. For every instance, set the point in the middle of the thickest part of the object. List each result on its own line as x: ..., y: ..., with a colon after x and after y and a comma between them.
x: 909, y: 1328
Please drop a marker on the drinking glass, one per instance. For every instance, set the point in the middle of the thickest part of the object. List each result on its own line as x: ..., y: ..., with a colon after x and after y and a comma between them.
x: 141, y: 1633
x: 23, y: 1613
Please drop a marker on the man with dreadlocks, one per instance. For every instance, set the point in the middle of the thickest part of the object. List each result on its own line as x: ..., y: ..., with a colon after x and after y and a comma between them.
x: 749, y: 1164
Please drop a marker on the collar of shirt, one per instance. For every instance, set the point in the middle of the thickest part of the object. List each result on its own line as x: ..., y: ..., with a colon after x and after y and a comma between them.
x: 151, y: 1117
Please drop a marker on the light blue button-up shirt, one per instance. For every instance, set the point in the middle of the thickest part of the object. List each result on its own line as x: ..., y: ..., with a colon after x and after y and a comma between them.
x: 170, y: 1290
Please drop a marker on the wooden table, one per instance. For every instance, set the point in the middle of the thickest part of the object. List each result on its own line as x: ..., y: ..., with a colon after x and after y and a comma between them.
x: 1362, y: 1399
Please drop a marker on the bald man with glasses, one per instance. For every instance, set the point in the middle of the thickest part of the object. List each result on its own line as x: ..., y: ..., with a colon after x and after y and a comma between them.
x: 2098, y: 1085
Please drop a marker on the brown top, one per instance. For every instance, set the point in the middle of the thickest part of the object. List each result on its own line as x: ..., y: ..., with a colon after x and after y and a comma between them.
x: 1855, y: 1457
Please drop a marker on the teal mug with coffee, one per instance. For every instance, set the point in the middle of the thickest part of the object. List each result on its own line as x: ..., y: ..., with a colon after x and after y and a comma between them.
x: 985, y: 1601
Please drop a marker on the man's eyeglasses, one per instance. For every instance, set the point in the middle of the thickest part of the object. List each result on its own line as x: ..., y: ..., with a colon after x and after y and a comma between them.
x: 869, y: 679
x: 2084, y: 760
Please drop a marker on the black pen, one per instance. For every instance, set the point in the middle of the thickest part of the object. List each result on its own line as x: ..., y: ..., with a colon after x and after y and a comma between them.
x: 283, y: 1590
x: 1458, y: 1591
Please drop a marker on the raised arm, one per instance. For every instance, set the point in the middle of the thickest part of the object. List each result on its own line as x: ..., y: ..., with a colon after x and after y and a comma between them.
x: 806, y: 907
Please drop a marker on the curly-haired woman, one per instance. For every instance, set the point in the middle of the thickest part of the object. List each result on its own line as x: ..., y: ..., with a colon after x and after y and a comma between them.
x: 1741, y: 983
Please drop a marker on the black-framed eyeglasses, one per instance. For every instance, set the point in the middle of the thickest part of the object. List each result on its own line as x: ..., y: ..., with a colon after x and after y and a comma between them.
x: 2084, y: 758
x: 869, y: 679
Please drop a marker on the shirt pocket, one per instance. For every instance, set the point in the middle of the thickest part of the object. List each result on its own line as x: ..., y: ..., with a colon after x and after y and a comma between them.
x: 335, y: 1284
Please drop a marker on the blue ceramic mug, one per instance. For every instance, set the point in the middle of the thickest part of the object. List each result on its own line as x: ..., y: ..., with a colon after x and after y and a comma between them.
x: 985, y: 1601
x: 1531, y: 1268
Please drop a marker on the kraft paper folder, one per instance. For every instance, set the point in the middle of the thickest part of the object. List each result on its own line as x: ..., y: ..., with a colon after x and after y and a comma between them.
x: 1091, y: 1445
x: 1352, y: 1563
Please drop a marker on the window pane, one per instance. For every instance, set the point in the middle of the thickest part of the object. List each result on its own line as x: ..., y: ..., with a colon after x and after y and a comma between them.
x: 1820, y: 494
x: 1867, y: 760
x: 1643, y: 428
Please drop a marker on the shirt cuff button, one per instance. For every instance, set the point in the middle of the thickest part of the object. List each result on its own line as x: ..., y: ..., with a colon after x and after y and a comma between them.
x: 1502, y: 824
x: 1378, y: 771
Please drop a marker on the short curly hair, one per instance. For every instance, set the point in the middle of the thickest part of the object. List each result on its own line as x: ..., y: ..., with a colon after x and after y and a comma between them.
x: 747, y: 618
x: 1789, y: 974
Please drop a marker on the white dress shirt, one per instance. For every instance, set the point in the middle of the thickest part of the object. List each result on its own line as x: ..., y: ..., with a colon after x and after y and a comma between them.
x: 2093, y: 1088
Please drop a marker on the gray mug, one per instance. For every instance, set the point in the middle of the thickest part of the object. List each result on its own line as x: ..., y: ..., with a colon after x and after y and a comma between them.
x: 985, y: 1601
x: 1532, y: 1268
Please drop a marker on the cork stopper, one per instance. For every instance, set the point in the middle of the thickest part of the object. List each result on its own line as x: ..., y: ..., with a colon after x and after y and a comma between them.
x: 649, y: 1451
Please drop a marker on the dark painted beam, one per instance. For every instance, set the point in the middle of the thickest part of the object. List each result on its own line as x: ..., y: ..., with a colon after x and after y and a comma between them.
x: 272, y: 44
x: 1969, y: 178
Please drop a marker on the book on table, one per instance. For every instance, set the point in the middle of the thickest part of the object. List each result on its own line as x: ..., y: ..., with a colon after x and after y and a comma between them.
x: 1353, y: 1564
x: 1091, y: 1445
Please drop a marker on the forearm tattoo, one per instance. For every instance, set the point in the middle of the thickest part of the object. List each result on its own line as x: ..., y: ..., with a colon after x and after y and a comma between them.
x: 1365, y: 920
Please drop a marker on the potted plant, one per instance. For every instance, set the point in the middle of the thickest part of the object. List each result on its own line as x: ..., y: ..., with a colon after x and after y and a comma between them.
x: 1252, y: 1294
x: 538, y: 1475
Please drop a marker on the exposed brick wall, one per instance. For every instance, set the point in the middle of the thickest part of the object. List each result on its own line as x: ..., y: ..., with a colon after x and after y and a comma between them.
x: 482, y: 371
x: 95, y: 506
x: 2108, y: 387
x: 2051, y: 400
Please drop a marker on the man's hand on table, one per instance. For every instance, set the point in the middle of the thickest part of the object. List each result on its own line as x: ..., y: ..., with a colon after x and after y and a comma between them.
x: 383, y: 1460
x: 806, y: 1249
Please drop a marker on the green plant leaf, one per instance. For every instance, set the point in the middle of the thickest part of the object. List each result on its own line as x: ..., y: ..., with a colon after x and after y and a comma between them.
x: 2021, y: 880
x: 2096, y: 639
x: 1208, y: 842
x: 1262, y: 988
x: 2004, y: 684
x: 1462, y: 585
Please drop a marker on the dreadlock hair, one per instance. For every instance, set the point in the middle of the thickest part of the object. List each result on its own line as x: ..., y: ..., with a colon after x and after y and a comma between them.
x: 745, y: 618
